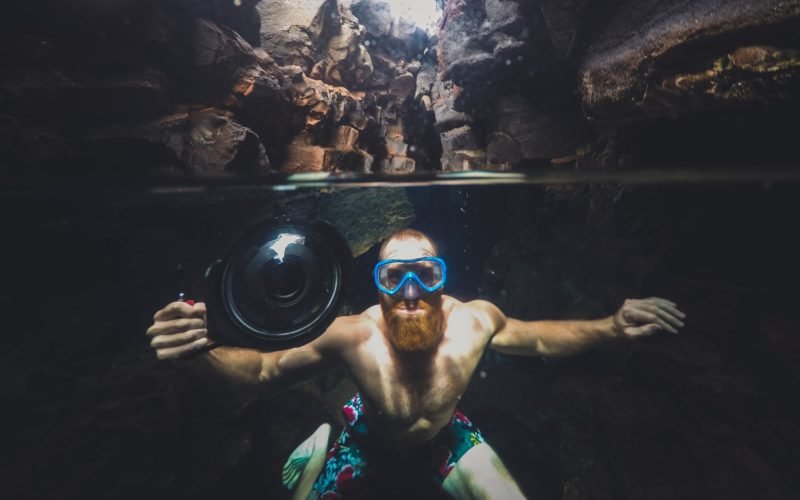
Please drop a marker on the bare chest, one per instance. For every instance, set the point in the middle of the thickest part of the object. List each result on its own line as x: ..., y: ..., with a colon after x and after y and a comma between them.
x: 409, y: 399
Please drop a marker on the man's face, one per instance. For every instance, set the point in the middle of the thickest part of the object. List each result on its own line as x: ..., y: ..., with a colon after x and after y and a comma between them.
x: 414, y: 317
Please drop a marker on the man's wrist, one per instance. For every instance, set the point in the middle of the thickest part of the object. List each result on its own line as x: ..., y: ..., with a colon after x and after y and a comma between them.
x: 612, y: 328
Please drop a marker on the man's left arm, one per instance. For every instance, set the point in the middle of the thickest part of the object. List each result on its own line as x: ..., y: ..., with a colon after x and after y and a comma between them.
x: 636, y: 318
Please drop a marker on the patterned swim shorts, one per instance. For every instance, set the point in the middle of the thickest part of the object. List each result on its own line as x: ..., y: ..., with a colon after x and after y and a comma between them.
x: 357, y: 455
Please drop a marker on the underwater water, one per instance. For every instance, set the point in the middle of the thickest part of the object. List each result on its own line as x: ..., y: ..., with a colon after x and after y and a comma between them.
x: 89, y: 412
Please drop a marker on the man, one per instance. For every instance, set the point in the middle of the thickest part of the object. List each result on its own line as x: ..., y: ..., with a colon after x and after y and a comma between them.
x: 411, y: 357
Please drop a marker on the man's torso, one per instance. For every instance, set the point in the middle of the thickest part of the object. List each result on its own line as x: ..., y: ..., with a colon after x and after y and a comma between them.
x: 410, y: 401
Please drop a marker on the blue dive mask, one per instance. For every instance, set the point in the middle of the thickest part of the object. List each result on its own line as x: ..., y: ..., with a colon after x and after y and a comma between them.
x: 430, y: 273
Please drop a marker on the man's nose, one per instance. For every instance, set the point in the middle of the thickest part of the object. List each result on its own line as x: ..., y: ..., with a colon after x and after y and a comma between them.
x: 410, y: 291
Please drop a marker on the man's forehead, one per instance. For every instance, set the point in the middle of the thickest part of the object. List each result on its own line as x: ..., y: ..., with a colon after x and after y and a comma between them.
x: 408, y: 248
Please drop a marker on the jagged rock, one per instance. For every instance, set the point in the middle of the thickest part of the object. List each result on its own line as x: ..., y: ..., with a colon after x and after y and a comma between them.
x: 521, y: 131
x: 503, y: 149
x: 564, y: 19
x: 206, y: 140
x: 345, y: 137
x: 662, y: 71
x: 219, y: 47
x: 397, y: 165
x: 396, y: 146
x: 375, y: 15
x: 459, y: 138
x: 285, y: 30
x: 305, y: 158
x: 356, y: 116
x: 402, y: 85
x: 218, y: 54
x: 322, y: 101
x: 444, y: 96
x: 487, y: 48
x: 504, y: 15
x: 466, y: 159
x: 396, y: 36
x: 352, y: 160
x: 462, y: 58
x: 338, y: 36
x: 414, y: 67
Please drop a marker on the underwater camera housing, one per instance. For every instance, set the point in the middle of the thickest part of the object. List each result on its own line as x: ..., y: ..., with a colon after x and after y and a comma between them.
x: 279, y: 285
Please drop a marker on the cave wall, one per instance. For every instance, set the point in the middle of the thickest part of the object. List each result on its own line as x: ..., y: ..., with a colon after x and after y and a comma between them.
x: 345, y: 86
x: 581, y: 83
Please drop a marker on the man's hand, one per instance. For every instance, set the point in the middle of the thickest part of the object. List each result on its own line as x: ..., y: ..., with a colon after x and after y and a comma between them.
x: 179, y: 329
x: 647, y: 316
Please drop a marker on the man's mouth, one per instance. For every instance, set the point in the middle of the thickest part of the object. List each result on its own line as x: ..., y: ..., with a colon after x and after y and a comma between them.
x: 409, y: 308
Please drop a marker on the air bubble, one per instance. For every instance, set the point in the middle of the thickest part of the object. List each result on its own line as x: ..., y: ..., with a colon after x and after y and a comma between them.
x: 508, y: 62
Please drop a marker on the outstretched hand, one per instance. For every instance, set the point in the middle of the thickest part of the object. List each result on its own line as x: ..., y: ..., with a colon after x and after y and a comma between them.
x: 639, y: 317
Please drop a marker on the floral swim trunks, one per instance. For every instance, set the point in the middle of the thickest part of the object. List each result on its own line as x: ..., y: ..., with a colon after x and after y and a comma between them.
x: 357, y: 456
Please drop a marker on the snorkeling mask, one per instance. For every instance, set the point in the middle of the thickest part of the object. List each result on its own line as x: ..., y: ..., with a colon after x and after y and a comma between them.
x: 279, y: 285
x: 391, y: 275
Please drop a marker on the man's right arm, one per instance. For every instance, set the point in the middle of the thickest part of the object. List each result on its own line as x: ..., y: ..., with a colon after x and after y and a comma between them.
x: 179, y: 331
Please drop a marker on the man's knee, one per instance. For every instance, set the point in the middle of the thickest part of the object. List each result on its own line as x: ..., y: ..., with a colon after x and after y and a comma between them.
x: 480, y: 474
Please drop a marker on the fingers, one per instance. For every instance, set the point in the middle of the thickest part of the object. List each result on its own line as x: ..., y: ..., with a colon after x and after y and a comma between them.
x: 668, y: 305
x: 643, y: 316
x: 175, y: 326
x: 662, y: 313
x: 643, y: 330
x: 178, y: 339
x: 180, y: 309
x: 659, y: 299
x: 180, y: 351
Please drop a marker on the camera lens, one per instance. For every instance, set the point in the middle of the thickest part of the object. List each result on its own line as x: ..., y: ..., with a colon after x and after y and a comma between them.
x: 279, y: 285
x: 284, y: 281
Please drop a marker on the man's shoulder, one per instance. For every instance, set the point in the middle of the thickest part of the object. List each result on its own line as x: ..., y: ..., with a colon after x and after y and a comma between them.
x: 480, y: 311
x: 477, y: 306
x: 351, y: 328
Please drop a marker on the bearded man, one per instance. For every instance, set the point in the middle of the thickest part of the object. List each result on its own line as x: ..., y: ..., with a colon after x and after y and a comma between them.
x: 411, y: 358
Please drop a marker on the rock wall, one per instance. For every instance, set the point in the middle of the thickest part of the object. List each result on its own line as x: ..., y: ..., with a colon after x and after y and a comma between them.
x: 346, y: 86
x: 553, y: 82
x: 248, y: 87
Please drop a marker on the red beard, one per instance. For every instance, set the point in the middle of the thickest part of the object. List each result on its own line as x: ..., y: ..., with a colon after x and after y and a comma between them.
x: 418, y: 332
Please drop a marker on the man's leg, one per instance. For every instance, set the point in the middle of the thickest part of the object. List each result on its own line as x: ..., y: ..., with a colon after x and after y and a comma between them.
x: 306, y: 462
x: 480, y: 474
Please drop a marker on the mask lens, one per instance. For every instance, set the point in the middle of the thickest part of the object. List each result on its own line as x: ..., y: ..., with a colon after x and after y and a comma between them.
x: 428, y: 272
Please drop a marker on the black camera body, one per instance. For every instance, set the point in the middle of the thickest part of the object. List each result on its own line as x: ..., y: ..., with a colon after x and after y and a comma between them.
x: 279, y: 285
